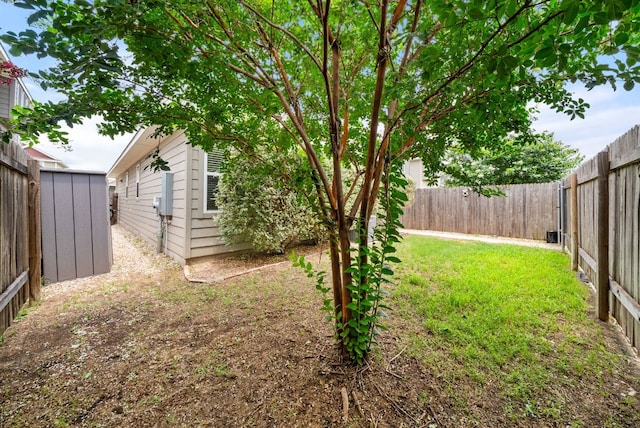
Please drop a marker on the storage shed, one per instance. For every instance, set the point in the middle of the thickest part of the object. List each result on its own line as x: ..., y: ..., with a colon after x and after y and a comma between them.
x: 76, y: 235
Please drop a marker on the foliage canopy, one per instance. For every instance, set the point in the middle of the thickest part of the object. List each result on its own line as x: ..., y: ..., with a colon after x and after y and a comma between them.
x: 536, y: 159
x: 361, y: 83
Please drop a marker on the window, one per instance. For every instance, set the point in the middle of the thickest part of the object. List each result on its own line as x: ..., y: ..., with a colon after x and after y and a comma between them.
x: 138, y: 181
x: 126, y: 184
x: 212, y: 162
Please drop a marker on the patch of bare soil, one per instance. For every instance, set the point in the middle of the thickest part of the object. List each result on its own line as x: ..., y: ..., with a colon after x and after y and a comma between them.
x: 143, y: 347
x: 219, y: 268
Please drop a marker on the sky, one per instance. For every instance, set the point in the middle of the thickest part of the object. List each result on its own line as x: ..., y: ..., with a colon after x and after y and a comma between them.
x: 612, y: 113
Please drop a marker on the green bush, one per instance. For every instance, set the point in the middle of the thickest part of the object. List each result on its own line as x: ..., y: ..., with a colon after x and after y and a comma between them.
x: 262, y: 205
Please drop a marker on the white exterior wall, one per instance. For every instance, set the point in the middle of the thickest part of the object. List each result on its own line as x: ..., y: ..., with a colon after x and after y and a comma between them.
x: 193, y: 232
x: 413, y: 169
x: 138, y: 214
x: 4, y: 101
x: 52, y: 164
x: 12, y: 95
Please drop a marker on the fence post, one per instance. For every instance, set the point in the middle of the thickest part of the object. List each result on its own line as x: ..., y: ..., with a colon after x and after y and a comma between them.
x: 602, y: 306
x: 574, y: 222
x: 35, y: 232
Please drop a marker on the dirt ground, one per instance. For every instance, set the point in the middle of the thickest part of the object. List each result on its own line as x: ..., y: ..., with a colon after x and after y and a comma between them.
x: 141, y: 346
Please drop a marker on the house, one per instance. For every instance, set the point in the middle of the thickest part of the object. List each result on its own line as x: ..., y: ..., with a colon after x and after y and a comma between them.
x: 185, y: 195
x: 413, y: 169
x: 14, y: 94
x: 45, y: 160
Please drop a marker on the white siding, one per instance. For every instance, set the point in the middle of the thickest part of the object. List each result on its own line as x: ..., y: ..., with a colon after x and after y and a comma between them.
x: 413, y: 169
x: 12, y: 95
x: 4, y: 101
x: 138, y: 214
x: 192, y: 233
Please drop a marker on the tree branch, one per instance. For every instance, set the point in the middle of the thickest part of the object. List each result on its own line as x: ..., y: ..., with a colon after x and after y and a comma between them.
x: 381, y: 154
x: 250, y: 58
x: 282, y: 29
x: 464, y: 68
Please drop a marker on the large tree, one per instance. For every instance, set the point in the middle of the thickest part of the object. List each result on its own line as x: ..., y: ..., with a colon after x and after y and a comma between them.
x: 362, y: 83
x: 536, y: 158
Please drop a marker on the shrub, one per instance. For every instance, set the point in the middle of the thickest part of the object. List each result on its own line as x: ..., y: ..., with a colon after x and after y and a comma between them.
x: 263, y: 204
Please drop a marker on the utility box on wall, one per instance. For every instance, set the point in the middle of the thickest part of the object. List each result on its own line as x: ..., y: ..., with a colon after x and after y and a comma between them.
x: 76, y: 235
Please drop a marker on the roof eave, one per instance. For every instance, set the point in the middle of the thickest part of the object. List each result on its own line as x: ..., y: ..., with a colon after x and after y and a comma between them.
x: 141, y: 143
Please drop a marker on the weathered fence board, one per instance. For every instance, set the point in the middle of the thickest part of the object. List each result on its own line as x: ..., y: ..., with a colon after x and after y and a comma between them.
x: 35, y: 235
x: 624, y: 228
x: 527, y: 211
x: 606, y: 228
x: 14, y: 232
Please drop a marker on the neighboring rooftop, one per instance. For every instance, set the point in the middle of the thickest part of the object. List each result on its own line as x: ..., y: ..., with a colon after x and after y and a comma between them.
x: 45, y: 160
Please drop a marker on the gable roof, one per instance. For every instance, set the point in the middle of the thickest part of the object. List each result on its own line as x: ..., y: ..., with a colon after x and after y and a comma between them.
x: 39, y: 155
x: 141, y: 143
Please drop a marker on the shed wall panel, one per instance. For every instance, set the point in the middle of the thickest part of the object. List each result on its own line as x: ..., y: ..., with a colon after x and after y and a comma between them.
x: 47, y: 207
x: 76, y: 235
x: 82, y: 225
x: 64, y: 226
x: 101, y: 230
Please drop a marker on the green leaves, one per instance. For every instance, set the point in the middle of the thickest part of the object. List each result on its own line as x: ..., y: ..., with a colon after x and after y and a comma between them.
x: 36, y: 16
x: 262, y: 205
x: 571, y: 9
x: 24, y: 5
x: 157, y: 163
x: 320, y: 278
x: 475, y: 13
x: 621, y: 38
x: 535, y: 158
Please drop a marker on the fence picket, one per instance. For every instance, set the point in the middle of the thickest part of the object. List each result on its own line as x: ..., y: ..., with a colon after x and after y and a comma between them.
x: 527, y: 211
x: 606, y: 223
x: 14, y: 232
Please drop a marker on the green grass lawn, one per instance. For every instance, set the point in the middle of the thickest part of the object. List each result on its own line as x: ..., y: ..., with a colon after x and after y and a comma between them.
x: 501, y: 316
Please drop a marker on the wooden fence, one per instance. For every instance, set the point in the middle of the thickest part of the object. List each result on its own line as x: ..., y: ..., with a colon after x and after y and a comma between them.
x: 526, y: 211
x: 601, y: 221
x: 19, y: 232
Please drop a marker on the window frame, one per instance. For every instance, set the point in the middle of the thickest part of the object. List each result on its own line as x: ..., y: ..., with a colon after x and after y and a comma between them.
x: 137, y: 181
x: 126, y: 185
x: 206, y: 174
